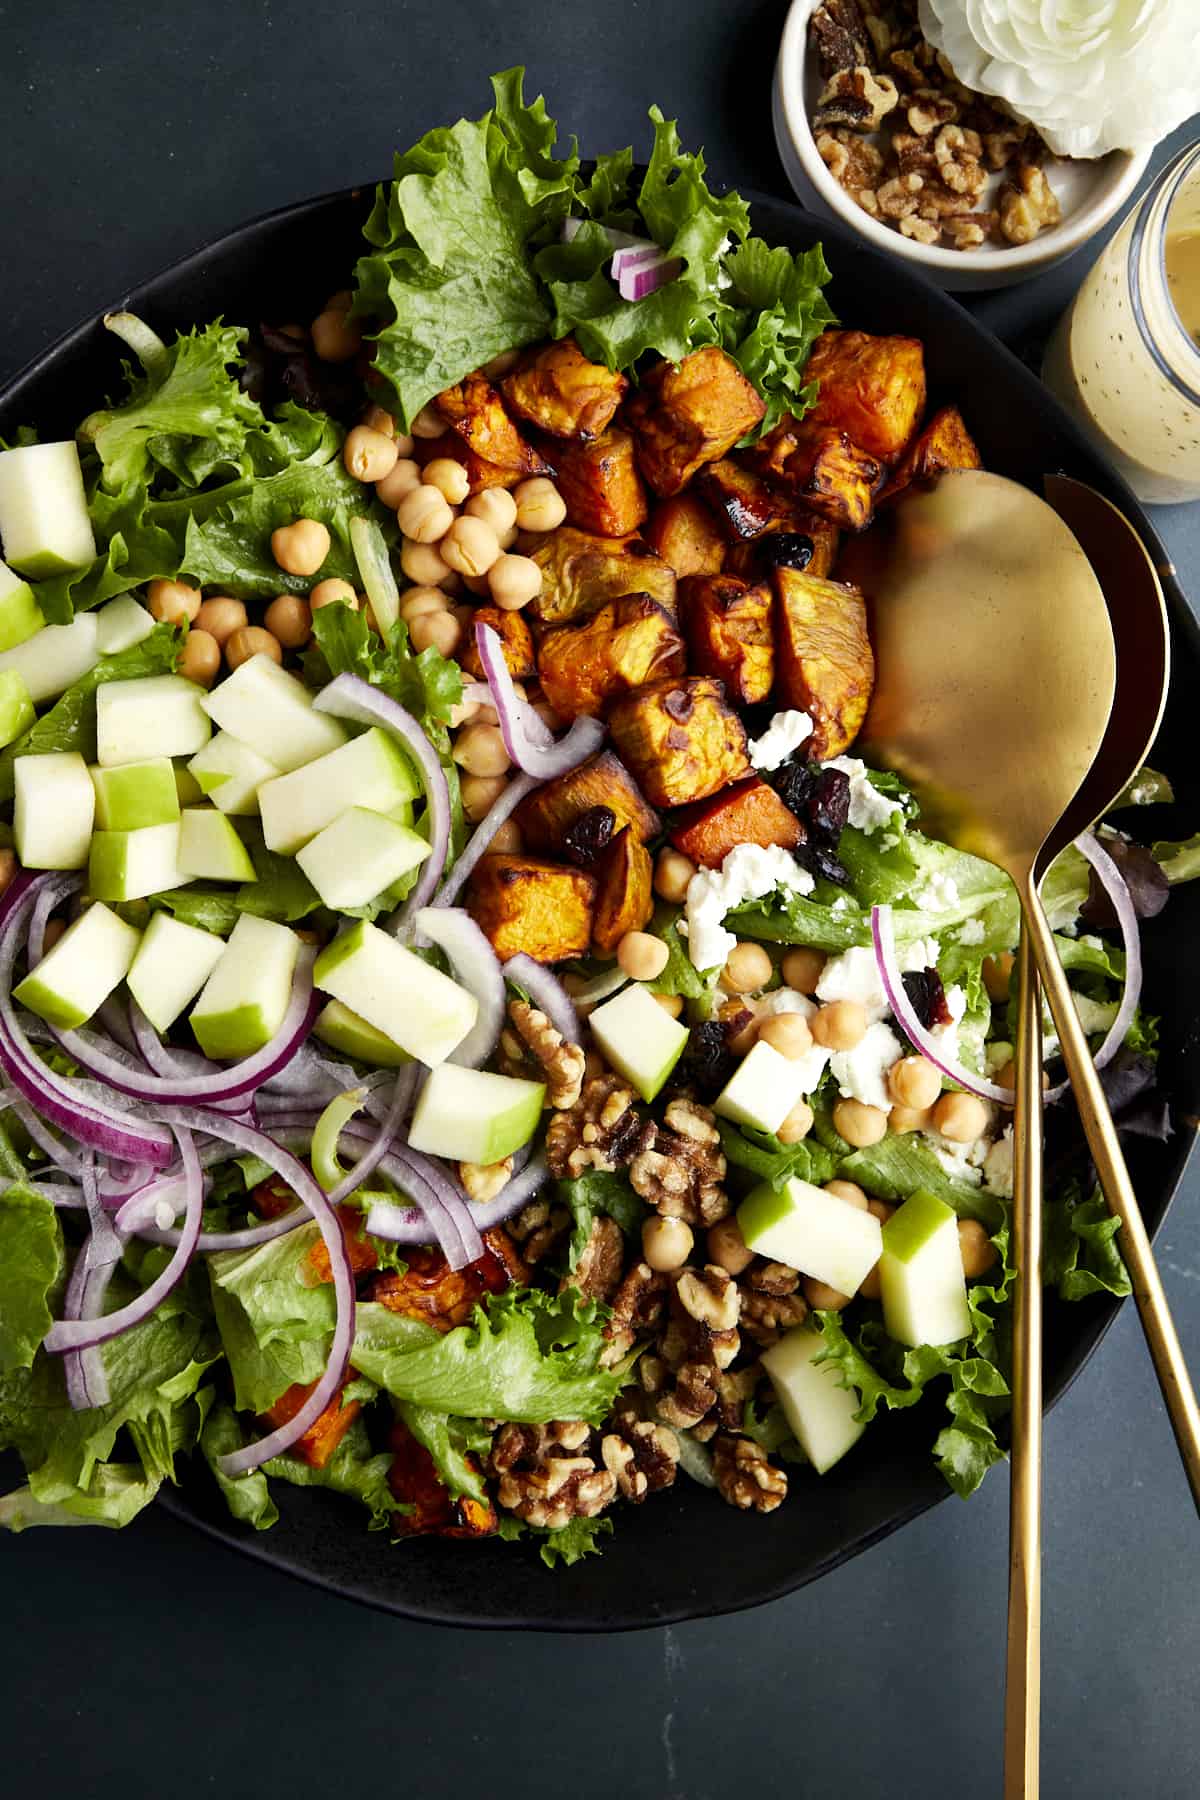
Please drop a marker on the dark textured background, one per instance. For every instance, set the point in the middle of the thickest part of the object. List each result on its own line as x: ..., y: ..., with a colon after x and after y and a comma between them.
x: 152, y: 1662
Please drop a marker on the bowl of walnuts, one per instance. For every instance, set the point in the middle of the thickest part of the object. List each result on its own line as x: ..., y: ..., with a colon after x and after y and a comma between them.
x: 874, y: 128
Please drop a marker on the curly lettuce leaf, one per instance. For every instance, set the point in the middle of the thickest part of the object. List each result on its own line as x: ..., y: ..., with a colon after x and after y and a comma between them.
x: 1178, y: 861
x: 355, y: 1470
x: 275, y: 1329
x: 898, y: 1165
x: 426, y: 684
x: 454, y: 1444
x: 31, y: 1263
x: 248, y: 1497
x: 764, y: 1158
x: 779, y: 312
x: 600, y: 1192
x: 564, y: 1545
x: 116, y: 1494
x: 1081, y: 1257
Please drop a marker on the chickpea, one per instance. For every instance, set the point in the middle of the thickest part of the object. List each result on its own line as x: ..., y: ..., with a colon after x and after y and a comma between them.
x: 802, y: 969
x: 424, y: 515
x: 250, y: 641
x: 500, y: 365
x: 335, y: 336
x: 727, y: 1247
x: 1006, y: 1076
x: 401, y: 479
x: 672, y: 872
x: 741, y: 1018
x: 540, y: 506
x: 672, y: 1004
x: 496, y: 507
x: 450, y: 479
x: 788, y: 1033
x: 859, y: 1124
x: 747, y: 969
x: 418, y: 602
x: 914, y: 1082
x: 423, y: 564
x: 369, y: 455
x: 301, y: 548
x: 480, y: 793
x: 550, y: 719
x: 377, y: 418
x: 469, y: 546
x: 823, y: 1298
x: 172, y: 601
x: 666, y: 1243
x: 514, y: 581
x: 960, y: 1117
x: 462, y: 712
x: 437, y: 630
x: 221, y: 617
x: 54, y: 930
x: 289, y: 617
x: 976, y: 1249
x: 429, y: 423
x: 850, y: 1192
x: 641, y: 955
x: 331, y: 592
x: 8, y: 868
x: 997, y: 975
x: 881, y: 1209
x: 909, y: 1118
x: 480, y: 751
x: 507, y: 841
x: 200, y: 658
x: 341, y: 302
x: 797, y: 1125
x: 839, y: 1026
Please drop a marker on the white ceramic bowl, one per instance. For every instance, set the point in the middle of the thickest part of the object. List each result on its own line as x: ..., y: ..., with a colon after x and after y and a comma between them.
x: 1090, y: 192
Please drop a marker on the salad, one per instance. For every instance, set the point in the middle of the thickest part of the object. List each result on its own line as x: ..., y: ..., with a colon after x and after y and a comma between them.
x: 473, y: 1036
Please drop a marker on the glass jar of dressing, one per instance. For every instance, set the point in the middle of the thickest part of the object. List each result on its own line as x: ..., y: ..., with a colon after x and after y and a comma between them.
x: 1125, y: 357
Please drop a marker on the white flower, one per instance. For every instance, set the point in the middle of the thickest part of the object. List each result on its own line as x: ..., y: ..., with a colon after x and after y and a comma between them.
x: 1092, y: 75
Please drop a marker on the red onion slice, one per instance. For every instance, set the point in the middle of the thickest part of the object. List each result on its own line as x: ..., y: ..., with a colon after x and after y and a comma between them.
x: 1117, y: 889
x: 398, y: 1224
x: 349, y: 697
x: 547, y: 993
x: 921, y: 1038
x: 525, y: 742
x: 482, y: 836
x: 83, y: 1370
x: 476, y: 966
x: 402, y: 1093
x: 638, y: 279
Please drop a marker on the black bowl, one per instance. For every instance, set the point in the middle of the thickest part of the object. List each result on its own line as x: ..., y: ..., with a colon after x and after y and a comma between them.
x: 686, y: 1554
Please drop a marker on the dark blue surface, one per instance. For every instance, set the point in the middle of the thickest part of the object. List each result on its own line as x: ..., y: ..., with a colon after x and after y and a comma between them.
x: 153, y: 1662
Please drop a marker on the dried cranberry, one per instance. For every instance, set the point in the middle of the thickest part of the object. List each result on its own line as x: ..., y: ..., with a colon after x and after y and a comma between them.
x: 1148, y: 886
x: 278, y: 367
x: 829, y: 807
x: 822, y: 862
x: 708, y: 1062
x: 590, y: 834
x: 795, y: 782
x: 786, y: 549
x: 927, y: 997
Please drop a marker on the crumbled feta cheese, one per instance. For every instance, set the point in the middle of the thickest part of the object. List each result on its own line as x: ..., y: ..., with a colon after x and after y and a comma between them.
x: 748, y: 873
x: 164, y: 1215
x: 939, y: 894
x: 783, y: 736
x: 955, y: 1159
x: 869, y: 809
x: 995, y: 1056
x: 843, y: 904
x: 1094, y: 1015
x: 861, y: 1073
x: 998, y: 1165
x: 971, y: 933
x: 946, y: 1036
x: 854, y: 974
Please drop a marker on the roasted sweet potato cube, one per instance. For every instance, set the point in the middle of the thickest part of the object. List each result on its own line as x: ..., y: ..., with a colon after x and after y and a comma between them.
x: 826, y: 539
x: 542, y: 908
x: 480, y: 473
x: 680, y: 738
x: 431, y: 1291
x: 944, y: 444
x: 430, y: 1508
x: 685, y: 534
x: 625, y: 894
x: 514, y: 634
x: 690, y: 414
x: 743, y: 500
x: 872, y: 388
x: 557, y: 389
x: 727, y: 624
x: 754, y: 559
x: 476, y: 414
x: 603, y: 780
x: 824, y: 470
x: 327, y: 1430
x: 630, y: 641
x: 750, y: 812
x: 581, y: 571
x: 600, y: 484
x: 826, y: 666
x: 361, y: 1251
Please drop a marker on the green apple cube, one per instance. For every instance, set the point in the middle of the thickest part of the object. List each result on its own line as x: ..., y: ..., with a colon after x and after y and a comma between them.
x: 921, y: 1280
x: 16, y: 708
x: 53, y: 811
x: 473, y: 1116
x: 128, y: 865
x: 157, y: 715
x: 813, y: 1231
x: 90, y: 958
x: 172, y: 964
x: 641, y: 1041
x: 188, y: 791
x: 345, y: 1032
x: 245, y: 998
x: 370, y: 771
x: 358, y: 856
x: 230, y: 774
x: 272, y: 711
x: 135, y: 794
x: 121, y: 624
x: 56, y: 657
x: 407, y: 999
x: 44, y: 523
x: 818, y: 1408
x: 763, y: 1089
x: 210, y: 848
x: 20, y: 614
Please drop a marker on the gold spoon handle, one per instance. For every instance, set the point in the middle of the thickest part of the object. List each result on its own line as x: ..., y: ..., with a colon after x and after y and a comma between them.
x: 1134, y: 1242
x: 1022, y: 1706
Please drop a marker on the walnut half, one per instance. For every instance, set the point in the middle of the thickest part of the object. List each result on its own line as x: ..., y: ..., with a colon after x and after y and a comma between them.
x: 744, y: 1475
